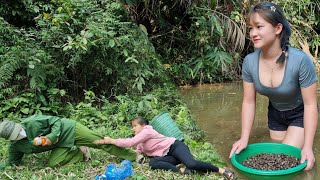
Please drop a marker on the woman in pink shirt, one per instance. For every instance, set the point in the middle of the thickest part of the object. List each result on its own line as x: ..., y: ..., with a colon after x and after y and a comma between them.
x: 165, y: 152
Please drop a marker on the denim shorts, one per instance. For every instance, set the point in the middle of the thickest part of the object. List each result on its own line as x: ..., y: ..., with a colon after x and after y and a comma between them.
x: 281, y: 120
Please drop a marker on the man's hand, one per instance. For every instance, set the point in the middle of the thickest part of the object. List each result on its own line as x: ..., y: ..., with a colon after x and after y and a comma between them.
x: 47, y: 142
x: 307, y: 155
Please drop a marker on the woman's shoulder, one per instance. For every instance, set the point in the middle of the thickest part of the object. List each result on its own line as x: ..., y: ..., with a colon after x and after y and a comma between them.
x: 253, y: 55
x: 298, y: 56
x: 297, y: 53
x: 148, y: 129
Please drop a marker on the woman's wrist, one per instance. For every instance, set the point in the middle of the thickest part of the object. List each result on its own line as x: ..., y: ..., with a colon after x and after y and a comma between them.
x: 112, y: 141
x: 307, y: 146
x: 244, y: 136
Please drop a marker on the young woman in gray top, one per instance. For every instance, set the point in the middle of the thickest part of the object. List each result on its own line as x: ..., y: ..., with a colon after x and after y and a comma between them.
x: 286, y: 76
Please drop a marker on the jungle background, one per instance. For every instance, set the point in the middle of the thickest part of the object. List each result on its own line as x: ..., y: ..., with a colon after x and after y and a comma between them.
x: 103, y: 62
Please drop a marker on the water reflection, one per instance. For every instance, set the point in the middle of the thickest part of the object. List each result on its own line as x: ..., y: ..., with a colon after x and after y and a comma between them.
x: 217, y: 110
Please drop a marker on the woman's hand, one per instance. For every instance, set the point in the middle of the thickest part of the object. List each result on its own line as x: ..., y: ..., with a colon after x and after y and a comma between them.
x: 108, y: 140
x: 105, y: 140
x: 307, y: 155
x: 238, y: 146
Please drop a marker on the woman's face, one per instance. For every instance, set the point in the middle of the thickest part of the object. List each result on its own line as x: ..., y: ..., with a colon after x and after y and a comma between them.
x: 136, y: 127
x: 262, y: 33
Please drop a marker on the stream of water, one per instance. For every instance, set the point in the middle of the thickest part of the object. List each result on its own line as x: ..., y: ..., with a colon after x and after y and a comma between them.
x: 217, y: 109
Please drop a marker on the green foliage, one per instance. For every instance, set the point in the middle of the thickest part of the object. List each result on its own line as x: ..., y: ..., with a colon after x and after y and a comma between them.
x: 77, y: 45
x: 21, y: 13
x: 22, y: 61
x: 207, y: 150
x: 188, y: 32
x: 304, y: 17
x: 35, y: 164
x: 29, y: 103
x: 92, y: 45
x: 214, y: 66
x: 100, y: 47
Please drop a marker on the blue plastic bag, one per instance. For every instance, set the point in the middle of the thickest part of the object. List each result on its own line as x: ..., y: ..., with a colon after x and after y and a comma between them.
x: 101, y: 177
x: 111, y: 172
x: 117, y: 173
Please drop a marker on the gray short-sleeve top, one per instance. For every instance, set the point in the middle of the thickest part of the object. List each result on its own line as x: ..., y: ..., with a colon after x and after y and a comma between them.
x: 299, y: 73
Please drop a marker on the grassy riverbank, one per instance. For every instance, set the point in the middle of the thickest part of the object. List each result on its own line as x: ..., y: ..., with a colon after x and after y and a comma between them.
x: 110, y: 119
x: 34, y: 166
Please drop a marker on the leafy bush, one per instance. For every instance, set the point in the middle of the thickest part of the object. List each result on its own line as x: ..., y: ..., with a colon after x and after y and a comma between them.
x: 29, y: 103
x: 304, y: 18
x: 195, y: 40
x: 78, y: 45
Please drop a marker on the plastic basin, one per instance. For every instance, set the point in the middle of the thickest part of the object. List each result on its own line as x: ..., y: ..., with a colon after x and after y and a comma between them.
x: 272, y: 148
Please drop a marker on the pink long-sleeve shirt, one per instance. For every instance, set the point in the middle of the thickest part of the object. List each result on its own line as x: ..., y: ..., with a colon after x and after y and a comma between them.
x: 148, y: 141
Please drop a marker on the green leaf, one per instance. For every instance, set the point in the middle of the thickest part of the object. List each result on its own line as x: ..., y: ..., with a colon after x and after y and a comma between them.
x: 82, y: 32
x: 67, y: 47
x: 108, y: 70
x: 237, y: 19
x: 25, y: 110
x: 140, y: 106
x: 36, y: 9
x: 89, y: 35
x: 59, y: 9
x: 62, y: 92
x: 111, y: 43
x: 43, y: 100
x: 84, y: 40
x: 125, y: 52
x: 31, y: 66
x: 143, y: 28
x: 131, y: 59
x: 131, y: 2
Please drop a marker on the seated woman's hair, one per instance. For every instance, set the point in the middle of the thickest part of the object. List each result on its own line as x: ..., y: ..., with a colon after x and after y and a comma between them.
x: 140, y: 120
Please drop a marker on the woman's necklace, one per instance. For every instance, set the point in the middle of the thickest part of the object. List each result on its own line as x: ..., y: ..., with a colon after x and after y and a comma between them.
x: 272, y: 69
x: 268, y: 66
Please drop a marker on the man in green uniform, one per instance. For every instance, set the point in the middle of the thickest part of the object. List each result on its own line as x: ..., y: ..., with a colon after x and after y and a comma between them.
x: 62, y: 136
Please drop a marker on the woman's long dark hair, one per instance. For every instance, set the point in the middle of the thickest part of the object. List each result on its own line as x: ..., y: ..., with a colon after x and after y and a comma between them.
x: 273, y: 14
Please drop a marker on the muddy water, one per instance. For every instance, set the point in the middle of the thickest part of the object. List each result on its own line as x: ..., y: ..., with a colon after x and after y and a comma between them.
x: 217, y: 108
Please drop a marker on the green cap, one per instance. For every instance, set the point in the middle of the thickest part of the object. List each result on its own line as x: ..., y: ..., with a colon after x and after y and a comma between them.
x: 10, y: 130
